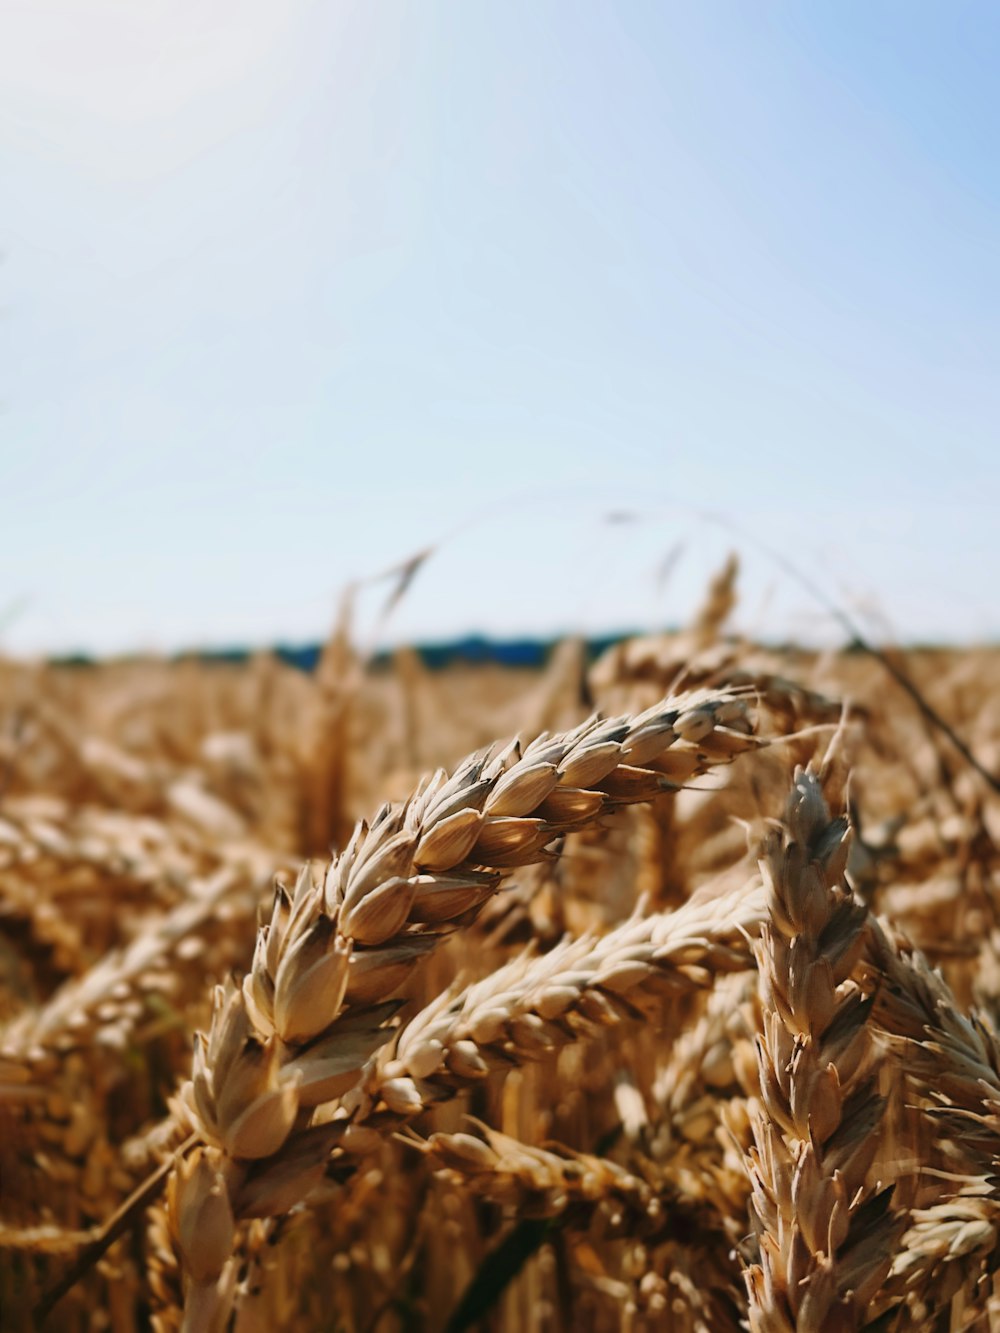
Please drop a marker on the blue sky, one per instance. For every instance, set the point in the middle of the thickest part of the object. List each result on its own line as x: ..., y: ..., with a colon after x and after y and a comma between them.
x: 291, y: 291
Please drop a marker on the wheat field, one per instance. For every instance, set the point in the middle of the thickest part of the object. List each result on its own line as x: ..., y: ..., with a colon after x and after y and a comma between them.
x: 654, y: 992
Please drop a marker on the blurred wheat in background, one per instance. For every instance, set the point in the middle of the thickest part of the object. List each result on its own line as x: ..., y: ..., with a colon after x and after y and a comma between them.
x: 329, y: 1004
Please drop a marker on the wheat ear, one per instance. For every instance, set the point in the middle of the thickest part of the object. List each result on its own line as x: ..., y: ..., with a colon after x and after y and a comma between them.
x: 825, y: 1238
x: 307, y: 1019
x: 952, y: 1064
x: 539, y: 1182
x: 532, y: 1007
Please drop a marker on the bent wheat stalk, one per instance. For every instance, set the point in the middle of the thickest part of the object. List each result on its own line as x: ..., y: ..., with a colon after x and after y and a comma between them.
x: 300, y: 1030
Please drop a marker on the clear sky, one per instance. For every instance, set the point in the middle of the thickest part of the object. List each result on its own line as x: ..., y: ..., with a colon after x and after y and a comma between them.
x: 291, y: 290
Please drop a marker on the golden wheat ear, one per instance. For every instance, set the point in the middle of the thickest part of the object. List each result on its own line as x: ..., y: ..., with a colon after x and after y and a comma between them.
x: 825, y: 1231
x: 301, y: 1029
